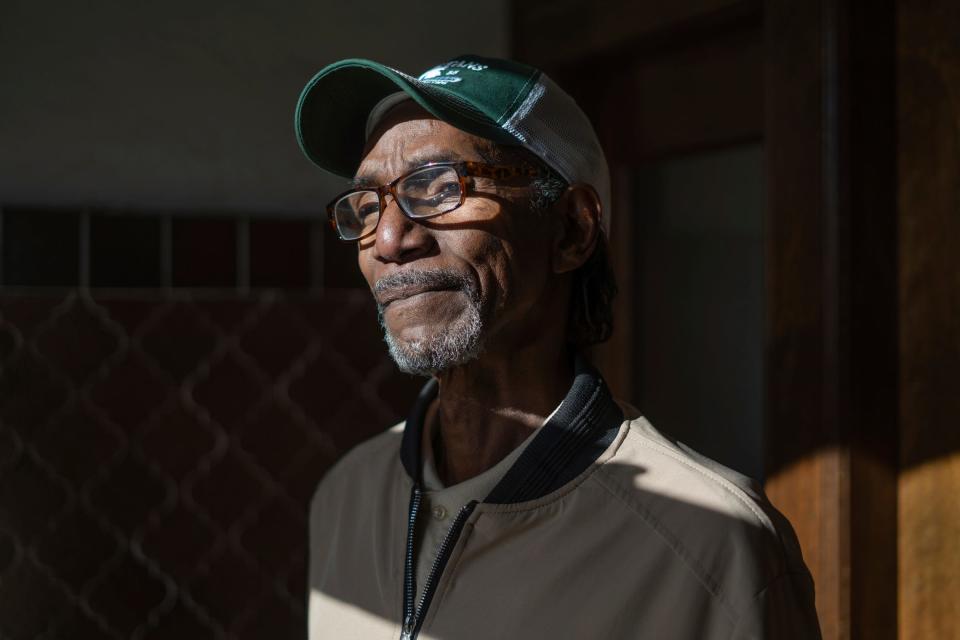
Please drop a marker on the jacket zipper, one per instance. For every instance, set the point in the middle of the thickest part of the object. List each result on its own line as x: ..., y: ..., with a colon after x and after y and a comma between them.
x: 413, y: 617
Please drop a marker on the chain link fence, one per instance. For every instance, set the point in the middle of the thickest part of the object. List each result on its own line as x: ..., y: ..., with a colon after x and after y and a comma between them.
x: 158, y: 450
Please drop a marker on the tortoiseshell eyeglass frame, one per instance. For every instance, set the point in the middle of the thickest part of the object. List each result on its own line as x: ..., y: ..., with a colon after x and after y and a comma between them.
x: 464, y: 170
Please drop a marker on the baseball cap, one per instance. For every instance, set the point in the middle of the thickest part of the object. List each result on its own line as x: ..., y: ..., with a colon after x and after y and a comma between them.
x: 501, y: 100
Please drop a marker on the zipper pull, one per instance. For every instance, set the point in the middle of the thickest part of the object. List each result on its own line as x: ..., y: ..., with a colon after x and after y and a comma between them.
x: 407, y: 633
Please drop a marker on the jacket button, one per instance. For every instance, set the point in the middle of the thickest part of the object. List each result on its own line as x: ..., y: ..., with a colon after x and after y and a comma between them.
x: 439, y: 512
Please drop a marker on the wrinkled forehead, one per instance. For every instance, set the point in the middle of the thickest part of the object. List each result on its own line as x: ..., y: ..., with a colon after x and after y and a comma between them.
x: 408, y: 136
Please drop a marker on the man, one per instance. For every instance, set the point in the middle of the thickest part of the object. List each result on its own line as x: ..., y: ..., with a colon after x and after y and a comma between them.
x: 519, y: 499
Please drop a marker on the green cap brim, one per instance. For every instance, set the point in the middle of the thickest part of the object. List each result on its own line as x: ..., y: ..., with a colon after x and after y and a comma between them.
x: 331, y: 115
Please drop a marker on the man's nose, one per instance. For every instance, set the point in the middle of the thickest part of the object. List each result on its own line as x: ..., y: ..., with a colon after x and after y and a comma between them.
x: 400, y: 239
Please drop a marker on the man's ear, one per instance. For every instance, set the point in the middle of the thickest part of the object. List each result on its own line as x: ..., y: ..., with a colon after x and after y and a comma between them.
x: 578, y: 223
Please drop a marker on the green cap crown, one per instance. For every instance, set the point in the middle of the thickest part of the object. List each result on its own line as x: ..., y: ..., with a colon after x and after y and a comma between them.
x: 472, y: 93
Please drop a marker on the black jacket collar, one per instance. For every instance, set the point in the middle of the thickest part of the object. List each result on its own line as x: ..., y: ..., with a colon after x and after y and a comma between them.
x: 571, y: 440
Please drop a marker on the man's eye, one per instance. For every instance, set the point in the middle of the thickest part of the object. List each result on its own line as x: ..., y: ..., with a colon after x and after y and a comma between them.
x: 367, y: 210
x: 442, y: 190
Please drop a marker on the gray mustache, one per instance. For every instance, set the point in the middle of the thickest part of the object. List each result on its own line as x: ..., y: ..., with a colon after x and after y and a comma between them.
x: 438, y: 278
x: 435, y: 278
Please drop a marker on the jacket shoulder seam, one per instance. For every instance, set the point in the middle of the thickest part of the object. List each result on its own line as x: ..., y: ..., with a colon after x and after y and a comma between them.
x: 713, y: 477
x: 665, y: 534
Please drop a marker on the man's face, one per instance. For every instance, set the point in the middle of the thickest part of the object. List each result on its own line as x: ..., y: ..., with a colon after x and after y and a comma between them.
x: 467, y: 282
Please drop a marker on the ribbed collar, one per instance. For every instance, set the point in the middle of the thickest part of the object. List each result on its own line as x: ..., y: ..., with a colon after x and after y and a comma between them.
x: 571, y: 440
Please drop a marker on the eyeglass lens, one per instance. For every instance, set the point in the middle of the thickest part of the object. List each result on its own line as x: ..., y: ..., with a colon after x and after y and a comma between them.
x: 426, y: 192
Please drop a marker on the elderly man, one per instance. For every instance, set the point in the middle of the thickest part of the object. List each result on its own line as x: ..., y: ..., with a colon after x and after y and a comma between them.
x: 518, y: 499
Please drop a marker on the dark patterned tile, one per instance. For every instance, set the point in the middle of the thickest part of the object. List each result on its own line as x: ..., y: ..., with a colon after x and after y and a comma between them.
x: 226, y: 313
x: 9, y: 341
x: 340, y: 270
x: 228, y: 489
x: 229, y: 589
x: 78, y: 445
x: 179, y: 339
x: 8, y: 551
x: 277, y: 537
x: 336, y: 312
x: 277, y: 339
x: 77, y: 624
x: 130, y: 313
x: 29, y: 394
x: 30, y: 603
x: 297, y: 574
x: 301, y: 483
x: 77, y: 549
x: 275, y: 439
x: 323, y: 388
x: 358, y: 421
x: 30, y: 499
x: 28, y: 313
x: 10, y: 447
x: 274, y: 617
x: 228, y: 391
x: 398, y: 391
x: 179, y: 542
x: 181, y: 623
x: 128, y: 495
x: 130, y: 392
x: 176, y: 440
x: 127, y: 595
x: 77, y: 343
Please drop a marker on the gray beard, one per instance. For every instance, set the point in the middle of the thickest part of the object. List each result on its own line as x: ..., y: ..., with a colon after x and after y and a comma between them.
x: 459, y: 342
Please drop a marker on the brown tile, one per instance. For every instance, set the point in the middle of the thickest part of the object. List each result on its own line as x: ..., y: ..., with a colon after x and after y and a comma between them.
x: 273, y: 617
x: 176, y: 440
x: 228, y: 391
x: 29, y: 313
x: 179, y: 339
x: 78, y: 445
x: 77, y: 343
x: 277, y: 339
x: 30, y: 602
x: 204, y: 252
x: 276, y: 537
x: 229, y: 588
x: 127, y: 595
x: 77, y: 549
x: 280, y: 253
x: 323, y: 388
x: 29, y: 394
x: 275, y: 439
x: 30, y: 499
x: 181, y: 623
x: 228, y: 490
x: 226, y: 313
x: 128, y: 495
x: 179, y: 542
x: 76, y: 624
x: 130, y: 392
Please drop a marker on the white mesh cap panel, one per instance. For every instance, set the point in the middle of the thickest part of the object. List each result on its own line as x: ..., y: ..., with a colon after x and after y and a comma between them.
x: 551, y: 125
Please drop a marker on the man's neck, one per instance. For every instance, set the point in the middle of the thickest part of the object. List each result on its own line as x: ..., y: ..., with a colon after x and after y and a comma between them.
x: 487, y: 408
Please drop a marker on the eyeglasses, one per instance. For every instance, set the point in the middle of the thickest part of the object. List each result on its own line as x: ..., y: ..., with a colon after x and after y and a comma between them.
x: 425, y: 192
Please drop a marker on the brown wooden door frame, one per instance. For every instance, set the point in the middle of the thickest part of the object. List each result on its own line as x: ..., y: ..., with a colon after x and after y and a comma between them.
x: 830, y: 350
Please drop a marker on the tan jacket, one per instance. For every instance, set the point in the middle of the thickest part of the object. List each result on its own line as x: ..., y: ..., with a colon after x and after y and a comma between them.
x: 603, y: 528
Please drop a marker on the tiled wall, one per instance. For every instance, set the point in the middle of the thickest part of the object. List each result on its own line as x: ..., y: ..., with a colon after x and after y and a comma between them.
x: 159, y: 443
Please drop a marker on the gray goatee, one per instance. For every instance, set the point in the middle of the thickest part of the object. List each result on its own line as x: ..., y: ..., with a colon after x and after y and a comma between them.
x: 458, y: 343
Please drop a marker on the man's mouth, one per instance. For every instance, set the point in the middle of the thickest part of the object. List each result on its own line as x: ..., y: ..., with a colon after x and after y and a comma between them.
x: 395, y: 294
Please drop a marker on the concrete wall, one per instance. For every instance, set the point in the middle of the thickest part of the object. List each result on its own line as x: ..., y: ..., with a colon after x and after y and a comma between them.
x: 189, y: 105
